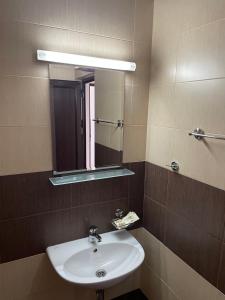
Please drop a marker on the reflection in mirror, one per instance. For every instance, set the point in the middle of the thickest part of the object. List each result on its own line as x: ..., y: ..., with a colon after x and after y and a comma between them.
x: 87, y: 117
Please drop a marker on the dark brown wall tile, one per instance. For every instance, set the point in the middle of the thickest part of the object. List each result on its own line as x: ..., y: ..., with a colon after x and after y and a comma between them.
x: 200, y: 250
x: 154, y: 217
x: 99, y: 191
x: 208, y: 257
x: 194, y: 219
x: 221, y: 278
x: 200, y: 203
x: 182, y: 238
x: 156, y: 180
x: 105, y: 156
x: 136, y: 182
x: 100, y: 214
x: 136, y: 188
x: 31, y: 235
x: 28, y: 236
x: 26, y: 194
x: 34, y: 214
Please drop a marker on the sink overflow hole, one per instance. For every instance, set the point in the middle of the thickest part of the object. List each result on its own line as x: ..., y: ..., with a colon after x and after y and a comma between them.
x: 100, y: 273
x: 95, y: 250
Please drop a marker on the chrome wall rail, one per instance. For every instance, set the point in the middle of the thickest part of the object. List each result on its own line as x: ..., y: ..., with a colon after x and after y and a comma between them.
x: 119, y: 123
x: 199, y: 134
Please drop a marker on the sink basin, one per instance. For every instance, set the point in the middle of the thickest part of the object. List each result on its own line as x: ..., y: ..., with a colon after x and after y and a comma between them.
x: 97, y: 265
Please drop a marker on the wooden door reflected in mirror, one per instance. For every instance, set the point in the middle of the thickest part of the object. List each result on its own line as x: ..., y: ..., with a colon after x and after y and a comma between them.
x: 87, y: 118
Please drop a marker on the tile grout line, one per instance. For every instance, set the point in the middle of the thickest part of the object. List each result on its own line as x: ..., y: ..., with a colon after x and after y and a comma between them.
x: 183, y: 217
x: 49, y: 212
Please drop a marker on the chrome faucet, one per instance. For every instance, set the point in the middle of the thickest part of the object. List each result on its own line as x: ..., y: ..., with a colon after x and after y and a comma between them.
x: 93, y: 235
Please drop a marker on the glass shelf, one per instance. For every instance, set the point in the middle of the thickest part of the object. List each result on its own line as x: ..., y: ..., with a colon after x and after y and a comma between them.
x: 89, y: 176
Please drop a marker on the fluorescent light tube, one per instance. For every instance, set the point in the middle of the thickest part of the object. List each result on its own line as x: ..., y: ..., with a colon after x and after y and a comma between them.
x: 87, y: 61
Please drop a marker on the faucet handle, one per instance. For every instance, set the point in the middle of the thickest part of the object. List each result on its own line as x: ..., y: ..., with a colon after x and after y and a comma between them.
x: 93, y: 229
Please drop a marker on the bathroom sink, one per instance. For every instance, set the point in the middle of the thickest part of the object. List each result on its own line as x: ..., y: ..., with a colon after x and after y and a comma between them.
x: 97, y: 265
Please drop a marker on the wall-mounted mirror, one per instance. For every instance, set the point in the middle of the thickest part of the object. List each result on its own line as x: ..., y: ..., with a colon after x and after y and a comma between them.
x: 87, y: 117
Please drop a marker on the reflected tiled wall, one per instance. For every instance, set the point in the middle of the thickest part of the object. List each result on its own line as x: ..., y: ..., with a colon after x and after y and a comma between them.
x: 101, y: 28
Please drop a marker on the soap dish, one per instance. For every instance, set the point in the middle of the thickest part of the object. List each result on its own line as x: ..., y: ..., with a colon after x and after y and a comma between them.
x: 126, y: 221
x: 124, y: 227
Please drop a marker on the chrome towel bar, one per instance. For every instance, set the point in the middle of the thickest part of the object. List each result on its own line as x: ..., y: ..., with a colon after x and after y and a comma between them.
x: 119, y: 123
x: 199, y: 134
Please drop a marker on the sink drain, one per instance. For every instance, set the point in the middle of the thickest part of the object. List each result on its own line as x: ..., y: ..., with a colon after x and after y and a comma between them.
x: 100, y: 273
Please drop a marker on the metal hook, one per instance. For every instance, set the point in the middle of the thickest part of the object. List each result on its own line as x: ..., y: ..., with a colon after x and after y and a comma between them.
x: 174, y: 166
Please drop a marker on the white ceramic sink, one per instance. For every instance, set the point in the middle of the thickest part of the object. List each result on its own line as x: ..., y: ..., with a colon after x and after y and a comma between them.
x: 115, y: 257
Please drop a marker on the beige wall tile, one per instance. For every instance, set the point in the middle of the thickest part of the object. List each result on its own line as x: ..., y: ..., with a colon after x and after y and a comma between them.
x: 208, y: 291
x: 103, y: 17
x: 34, y: 278
x: 28, y: 276
x: 186, y: 87
x: 163, y: 268
x: 200, y: 53
x: 152, y: 247
x: 201, y: 104
x: 183, y: 280
x: 2, y: 291
x: 46, y: 12
x: 128, y: 98
x: 143, y: 20
x: 113, y: 19
x: 141, y: 56
x: 162, y: 106
x: 159, y: 145
x: 165, y: 37
x: 24, y: 101
x: 197, y: 13
x: 140, y: 105
x: 25, y: 149
x: 51, y: 12
x: 189, y: 105
x: 61, y: 72
x: 134, y: 143
x: 163, y: 62
x: 136, y: 105
x: 183, y: 15
x: 20, y: 42
x: 109, y: 95
x: 98, y: 28
x: 192, y: 13
x: 100, y: 46
x: 154, y: 287
x: 201, y: 160
x: 216, y: 12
